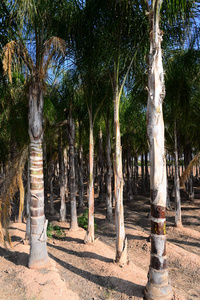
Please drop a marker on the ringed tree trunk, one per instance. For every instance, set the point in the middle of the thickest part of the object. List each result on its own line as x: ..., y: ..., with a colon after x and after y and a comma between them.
x: 121, y: 241
x: 178, y: 221
x: 28, y: 196
x: 158, y: 285
x: 72, y: 183
x: 109, y: 171
x: 89, y: 237
x: 38, y: 242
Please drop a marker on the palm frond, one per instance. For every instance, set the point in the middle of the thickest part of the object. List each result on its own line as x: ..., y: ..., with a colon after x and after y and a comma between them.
x: 186, y: 174
x: 53, y: 46
x: 11, y: 183
x: 12, y: 53
x: 9, y: 51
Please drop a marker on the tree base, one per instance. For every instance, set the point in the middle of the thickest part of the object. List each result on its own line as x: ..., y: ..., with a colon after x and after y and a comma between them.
x: 158, y: 286
x: 39, y: 264
x: 122, y: 258
x: 89, y: 238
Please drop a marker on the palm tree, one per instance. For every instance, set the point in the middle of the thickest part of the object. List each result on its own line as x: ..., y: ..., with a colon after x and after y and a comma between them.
x: 158, y: 286
x: 36, y: 63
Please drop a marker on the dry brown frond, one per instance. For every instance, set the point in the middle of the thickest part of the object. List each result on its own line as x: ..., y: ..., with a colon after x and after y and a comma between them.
x: 11, y: 184
x: 21, y: 194
x: 186, y: 174
x: 12, y: 52
x: 9, y: 51
x: 54, y: 45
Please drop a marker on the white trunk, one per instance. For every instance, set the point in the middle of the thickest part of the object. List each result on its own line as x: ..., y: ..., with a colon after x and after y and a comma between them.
x: 158, y: 286
x: 121, y: 241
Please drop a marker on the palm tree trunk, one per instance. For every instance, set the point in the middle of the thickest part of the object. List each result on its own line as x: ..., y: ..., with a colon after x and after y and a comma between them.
x: 121, y: 241
x: 38, y: 243
x: 71, y: 138
x: 109, y: 171
x: 178, y: 221
x: 61, y: 179
x: 100, y: 175
x: 28, y: 196
x: 158, y: 285
x: 129, y: 174
x: 89, y: 238
x: 51, y: 176
x: 80, y: 169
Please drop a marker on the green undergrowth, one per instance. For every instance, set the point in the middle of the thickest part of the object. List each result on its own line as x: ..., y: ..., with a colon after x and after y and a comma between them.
x: 55, y: 231
x: 83, y: 221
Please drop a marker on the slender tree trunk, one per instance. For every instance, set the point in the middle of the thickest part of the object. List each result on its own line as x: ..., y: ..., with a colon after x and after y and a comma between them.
x: 89, y: 238
x: 142, y: 170
x: 28, y: 198
x: 135, y: 174
x: 129, y: 174
x: 158, y: 286
x: 100, y: 169
x: 146, y: 169
x: 38, y: 243
x: 61, y: 179
x: 72, y: 183
x: 121, y: 242
x: 109, y: 171
x: 80, y: 169
x: 178, y: 221
x: 66, y: 171
x: 51, y: 176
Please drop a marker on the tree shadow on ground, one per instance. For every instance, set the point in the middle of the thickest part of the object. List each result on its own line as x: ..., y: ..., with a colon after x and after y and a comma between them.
x: 18, y: 258
x: 13, y: 228
x: 84, y: 254
x: 70, y: 239
x: 123, y: 286
x: 187, y: 243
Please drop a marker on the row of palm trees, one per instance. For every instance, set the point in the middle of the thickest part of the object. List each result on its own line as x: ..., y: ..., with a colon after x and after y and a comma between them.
x: 108, y: 44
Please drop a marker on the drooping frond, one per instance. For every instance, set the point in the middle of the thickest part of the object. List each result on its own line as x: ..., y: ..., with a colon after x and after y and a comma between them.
x: 9, y: 51
x: 53, y: 46
x: 12, y: 53
x: 186, y: 174
x: 10, y: 185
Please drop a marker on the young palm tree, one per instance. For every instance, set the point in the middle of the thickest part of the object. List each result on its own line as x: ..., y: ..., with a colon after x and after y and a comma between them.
x: 37, y: 66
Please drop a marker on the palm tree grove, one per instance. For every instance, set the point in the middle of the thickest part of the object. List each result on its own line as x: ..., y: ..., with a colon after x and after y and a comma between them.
x: 99, y: 149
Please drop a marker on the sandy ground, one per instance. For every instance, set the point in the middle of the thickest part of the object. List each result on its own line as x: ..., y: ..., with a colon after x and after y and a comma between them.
x: 79, y: 271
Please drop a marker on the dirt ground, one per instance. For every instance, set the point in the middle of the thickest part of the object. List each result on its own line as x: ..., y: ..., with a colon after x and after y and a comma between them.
x: 79, y: 271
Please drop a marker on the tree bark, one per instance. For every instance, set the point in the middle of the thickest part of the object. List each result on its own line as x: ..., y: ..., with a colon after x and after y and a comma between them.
x: 28, y: 198
x: 80, y: 169
x: 72, y: 183
x: 100, y: 169
x: 109, y: 171
x: 121, y: 241
x: 38, y: 243
x: 51, y: 176
x: 89, y: 238
x: 158, y: 285
x: 178, y: 221
x: 61, y: 179
x: 129, y: 174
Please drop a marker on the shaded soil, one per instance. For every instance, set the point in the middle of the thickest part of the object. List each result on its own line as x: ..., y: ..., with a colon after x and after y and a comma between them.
x: 79, y: 271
